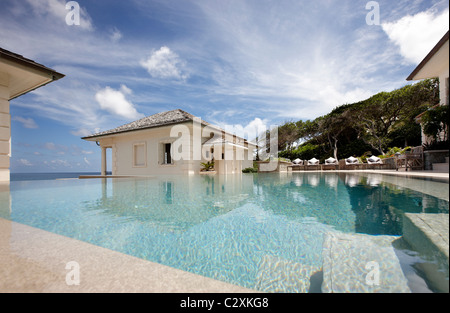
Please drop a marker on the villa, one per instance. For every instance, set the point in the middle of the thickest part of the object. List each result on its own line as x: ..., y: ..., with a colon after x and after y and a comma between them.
x: 172, y: 142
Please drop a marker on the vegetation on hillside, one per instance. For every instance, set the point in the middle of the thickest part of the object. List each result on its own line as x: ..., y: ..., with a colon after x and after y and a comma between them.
x: 372, y: 126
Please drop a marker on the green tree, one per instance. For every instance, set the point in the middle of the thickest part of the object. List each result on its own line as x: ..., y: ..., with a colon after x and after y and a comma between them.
x: 435, y: 123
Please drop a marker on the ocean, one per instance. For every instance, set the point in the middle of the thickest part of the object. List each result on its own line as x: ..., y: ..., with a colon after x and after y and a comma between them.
x: 48, y: 176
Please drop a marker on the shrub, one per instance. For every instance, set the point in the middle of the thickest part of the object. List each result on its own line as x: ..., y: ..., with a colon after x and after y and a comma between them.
x: 249, y: 170
x: 208, y: 166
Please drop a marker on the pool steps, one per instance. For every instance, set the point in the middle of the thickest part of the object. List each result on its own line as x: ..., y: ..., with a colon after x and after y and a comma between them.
x: 428, y: 234
x: 276, y: 274
x: 359, y: 263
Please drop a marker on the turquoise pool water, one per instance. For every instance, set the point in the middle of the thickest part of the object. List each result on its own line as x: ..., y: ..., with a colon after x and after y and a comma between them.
x: 231, y: 228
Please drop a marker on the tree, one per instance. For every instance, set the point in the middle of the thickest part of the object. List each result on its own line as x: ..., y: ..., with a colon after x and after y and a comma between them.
x: 386, y: 112
x: 435, y: 123
x: 332, y: 126
x: 375, y: 123
x: 288, y: 134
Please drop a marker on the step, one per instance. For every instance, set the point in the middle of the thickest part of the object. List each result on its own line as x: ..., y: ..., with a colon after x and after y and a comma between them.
x: 358, y: 263
x: 276, y: 274
x: 428, y: 234
x: 440, y: 167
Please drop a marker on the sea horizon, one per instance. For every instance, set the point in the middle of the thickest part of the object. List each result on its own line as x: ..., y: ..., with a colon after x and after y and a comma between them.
x: 48, y: 175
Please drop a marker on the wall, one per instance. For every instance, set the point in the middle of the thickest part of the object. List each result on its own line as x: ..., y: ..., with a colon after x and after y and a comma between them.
x: 443, y: 86
x: 434, y: 156
x: 5, y: 128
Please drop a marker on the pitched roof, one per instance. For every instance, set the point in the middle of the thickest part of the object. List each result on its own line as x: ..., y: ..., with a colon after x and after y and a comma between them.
x: 156, y: 120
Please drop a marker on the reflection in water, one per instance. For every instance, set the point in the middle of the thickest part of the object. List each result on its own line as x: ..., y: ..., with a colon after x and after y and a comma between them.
x: 379, y: 206
x: 168, y: 190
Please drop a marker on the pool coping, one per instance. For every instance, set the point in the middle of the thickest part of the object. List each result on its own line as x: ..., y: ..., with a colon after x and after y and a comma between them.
x: 37, y: 261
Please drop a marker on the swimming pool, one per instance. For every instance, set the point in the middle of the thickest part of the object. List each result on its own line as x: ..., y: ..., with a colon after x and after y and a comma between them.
x: 254, y: 230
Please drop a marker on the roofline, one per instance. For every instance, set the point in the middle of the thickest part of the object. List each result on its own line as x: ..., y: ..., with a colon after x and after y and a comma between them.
x: 429, y: 56
x: 133, y: 130
x: 20, y: 60
x: 93, y: 137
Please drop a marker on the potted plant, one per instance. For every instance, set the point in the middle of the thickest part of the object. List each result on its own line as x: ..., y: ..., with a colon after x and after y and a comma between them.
x: 208, y: 166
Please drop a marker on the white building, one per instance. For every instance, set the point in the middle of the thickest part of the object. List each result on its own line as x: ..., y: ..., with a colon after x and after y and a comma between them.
x: 435, y: 65
x: 18, y: 75
x: 173, y: 142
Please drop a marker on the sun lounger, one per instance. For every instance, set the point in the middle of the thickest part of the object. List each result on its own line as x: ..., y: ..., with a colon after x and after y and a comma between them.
x: 330, y: 164
x: 352, y: 163
x: 374, y: 162
x: 297, y: 165
x: 313, y: 164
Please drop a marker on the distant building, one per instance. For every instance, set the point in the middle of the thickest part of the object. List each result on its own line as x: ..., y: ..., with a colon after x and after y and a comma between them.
x: 18, y: 75
x: 172, y: 142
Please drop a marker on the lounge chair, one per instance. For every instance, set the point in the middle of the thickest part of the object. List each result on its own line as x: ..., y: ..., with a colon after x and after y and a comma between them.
x: 330, y: 164
x: 297, y: 162
x: 297, y: 165
x: 313, y: 164
x: 352, y: 163
x: 374, y: 162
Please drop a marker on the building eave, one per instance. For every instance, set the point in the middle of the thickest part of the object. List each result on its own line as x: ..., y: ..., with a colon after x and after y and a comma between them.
x: 429, y: 56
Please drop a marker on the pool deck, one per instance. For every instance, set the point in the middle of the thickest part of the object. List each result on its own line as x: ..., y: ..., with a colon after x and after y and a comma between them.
x: 33, y: 260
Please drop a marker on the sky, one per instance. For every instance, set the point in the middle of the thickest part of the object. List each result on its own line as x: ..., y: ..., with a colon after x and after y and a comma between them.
x: 234, y: 63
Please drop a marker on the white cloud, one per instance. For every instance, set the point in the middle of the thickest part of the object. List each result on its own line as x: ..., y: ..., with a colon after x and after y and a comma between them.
x: 114, y: 101
x: 24, y: 162
x: 250, y: 131
x: 26, y: 122
x: 86, y: 161
x: 81, y: 132
x: 50, y: 146
x: 417, y: 34
x: 165, y: 64
x: 116, y: 35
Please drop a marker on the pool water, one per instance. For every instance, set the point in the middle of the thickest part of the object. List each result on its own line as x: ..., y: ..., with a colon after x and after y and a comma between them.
x: 231, y: 228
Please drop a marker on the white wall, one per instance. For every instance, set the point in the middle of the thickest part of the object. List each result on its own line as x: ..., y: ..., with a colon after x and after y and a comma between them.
x: 5, y: 128
x: 443, y: 88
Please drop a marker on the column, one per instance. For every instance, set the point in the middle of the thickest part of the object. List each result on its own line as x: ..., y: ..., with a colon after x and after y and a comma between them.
x: 103, y: 172
x: 5, y: 128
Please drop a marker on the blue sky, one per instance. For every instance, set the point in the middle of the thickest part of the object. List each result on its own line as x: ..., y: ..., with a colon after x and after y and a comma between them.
x: 244, y: 63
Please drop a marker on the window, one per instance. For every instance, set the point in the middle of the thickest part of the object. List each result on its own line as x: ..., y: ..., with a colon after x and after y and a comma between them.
x: 167, y: 156
x: 139, y: 155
